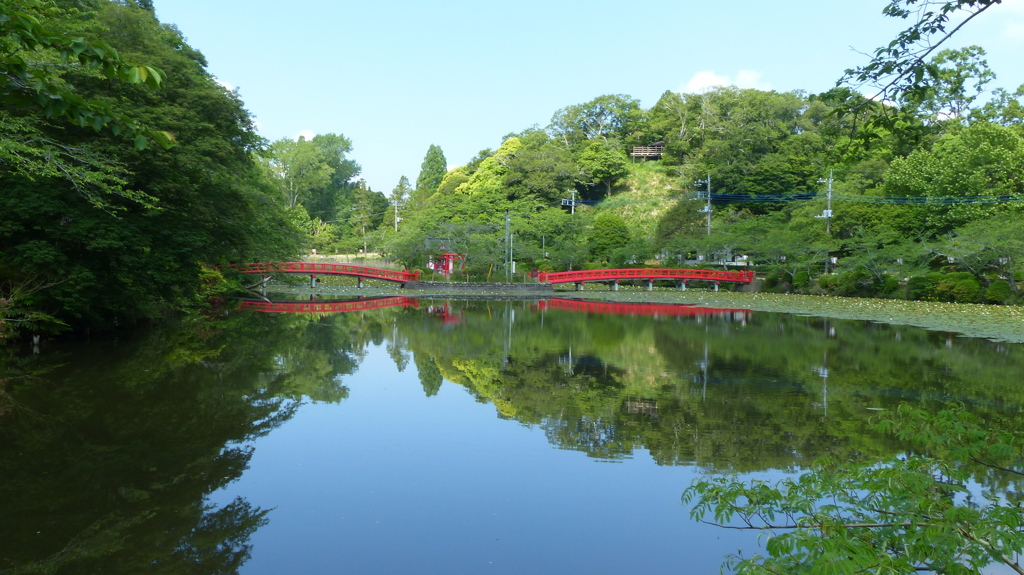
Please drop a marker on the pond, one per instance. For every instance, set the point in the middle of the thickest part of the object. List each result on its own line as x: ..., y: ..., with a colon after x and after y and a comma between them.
x: 402, y: 435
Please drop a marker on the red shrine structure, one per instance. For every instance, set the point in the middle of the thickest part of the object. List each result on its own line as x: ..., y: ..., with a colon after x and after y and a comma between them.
x: 444, y: 263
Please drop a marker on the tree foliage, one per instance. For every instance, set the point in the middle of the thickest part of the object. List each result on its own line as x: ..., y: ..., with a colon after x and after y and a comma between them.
x: 432, y: 172
x: 902, y: 70
x: 127, y: 233
x: 916, y: 512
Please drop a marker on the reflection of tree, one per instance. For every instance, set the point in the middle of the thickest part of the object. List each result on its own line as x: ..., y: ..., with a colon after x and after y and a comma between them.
x: 108, y: 461
x: 632, y: 383
x: 430, y: 376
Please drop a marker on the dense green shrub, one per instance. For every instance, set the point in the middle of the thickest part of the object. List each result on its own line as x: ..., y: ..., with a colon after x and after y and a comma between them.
x: 959, y: 287
x: 998, y: 292
x: 924, y: 287
x: 891, y: 287
x: 801, y: 279
x: 965, y: 291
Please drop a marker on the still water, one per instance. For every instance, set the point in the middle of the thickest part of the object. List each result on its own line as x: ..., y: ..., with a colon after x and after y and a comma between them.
x: 416, y: 436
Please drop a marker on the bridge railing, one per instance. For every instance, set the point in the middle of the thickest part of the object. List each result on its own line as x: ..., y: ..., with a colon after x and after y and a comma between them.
x: 329, y: 269
x: 646, y: 274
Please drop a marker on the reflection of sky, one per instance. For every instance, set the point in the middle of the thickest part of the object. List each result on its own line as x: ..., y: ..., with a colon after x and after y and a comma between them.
x: 391, y: 481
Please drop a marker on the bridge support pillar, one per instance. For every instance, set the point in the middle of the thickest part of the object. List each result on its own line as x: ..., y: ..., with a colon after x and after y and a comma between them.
x: 359, y: 283
x: 579, y: 286
x: 681, y: 285
x: 312, y: 280
x: 716, y: 286
x: 614, y: 285
x: 650, y: 285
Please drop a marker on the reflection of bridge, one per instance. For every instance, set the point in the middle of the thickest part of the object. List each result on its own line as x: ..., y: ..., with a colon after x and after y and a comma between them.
x: 649, y: 275
x: 327, y: 306
x: 314, y: 269
x: 641, y: 309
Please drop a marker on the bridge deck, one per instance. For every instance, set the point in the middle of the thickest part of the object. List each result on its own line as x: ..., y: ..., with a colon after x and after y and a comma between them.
x: 744, y: 277
x: 310, y: 268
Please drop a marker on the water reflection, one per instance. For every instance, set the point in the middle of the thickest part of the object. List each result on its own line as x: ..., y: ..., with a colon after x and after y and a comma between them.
x: 110, y: 449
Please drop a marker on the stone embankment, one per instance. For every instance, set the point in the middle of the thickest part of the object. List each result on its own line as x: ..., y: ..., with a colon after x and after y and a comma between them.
x: 479, y: 287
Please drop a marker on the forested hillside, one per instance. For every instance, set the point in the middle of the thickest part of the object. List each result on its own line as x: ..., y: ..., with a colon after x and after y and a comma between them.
x: 917, y: 198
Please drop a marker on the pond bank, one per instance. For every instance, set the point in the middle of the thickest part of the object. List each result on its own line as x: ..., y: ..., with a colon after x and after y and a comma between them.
x: 995, y: 322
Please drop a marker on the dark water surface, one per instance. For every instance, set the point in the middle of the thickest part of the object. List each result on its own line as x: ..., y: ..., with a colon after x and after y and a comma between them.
x: 416, y: 436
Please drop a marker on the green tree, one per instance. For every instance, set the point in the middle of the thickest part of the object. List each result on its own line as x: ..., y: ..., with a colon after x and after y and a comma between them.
x: 300, y: 168
x: 329, y: 202
x: 610, y: 233
x: 977, y: 161
x: 432, y: 172
x: 603, y: 163
x: 987, y: 245
x: 207, y: 201
x: 901, y: 515
x: 958, y: 78
x: 45, y: 80
x: 399, y: 198
x: 604, y: 117
x: 36, y: 82
x: 1005, y: 108
x: 541, y: 170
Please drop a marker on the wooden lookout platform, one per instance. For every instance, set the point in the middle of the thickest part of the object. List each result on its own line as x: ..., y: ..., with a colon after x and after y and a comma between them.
x: 648, y: 152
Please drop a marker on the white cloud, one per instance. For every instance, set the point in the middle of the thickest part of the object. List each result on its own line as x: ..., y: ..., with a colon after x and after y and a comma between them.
x: 701, y: 81
x: 307, y: 134
x: 227, y: 86
x: 751, y: 79
x: 878, y: 98
x: 707, y: 79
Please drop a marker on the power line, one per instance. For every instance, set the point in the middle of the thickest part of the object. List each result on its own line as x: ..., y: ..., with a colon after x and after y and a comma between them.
x: 836, y: 197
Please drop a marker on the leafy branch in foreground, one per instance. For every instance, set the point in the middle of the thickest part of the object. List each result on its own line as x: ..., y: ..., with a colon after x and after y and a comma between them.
x: 903, y: 514
x: 25, y: 81
x: 902, y: 68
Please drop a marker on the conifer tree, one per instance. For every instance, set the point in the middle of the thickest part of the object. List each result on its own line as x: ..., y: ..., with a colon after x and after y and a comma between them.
x: 432, y: 171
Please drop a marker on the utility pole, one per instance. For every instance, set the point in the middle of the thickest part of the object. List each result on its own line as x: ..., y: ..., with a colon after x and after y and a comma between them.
x: 571, y: 202
x: 508, y: 246
x: 700, y: 195
x: 827, y: 214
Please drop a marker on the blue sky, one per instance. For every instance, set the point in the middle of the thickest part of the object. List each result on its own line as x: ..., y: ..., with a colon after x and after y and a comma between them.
x: 398, y: 76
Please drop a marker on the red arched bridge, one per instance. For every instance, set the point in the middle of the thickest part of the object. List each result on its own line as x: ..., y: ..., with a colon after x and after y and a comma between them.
x: 649, y: 275
x: 313, y: 269
x: 612, y: 276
